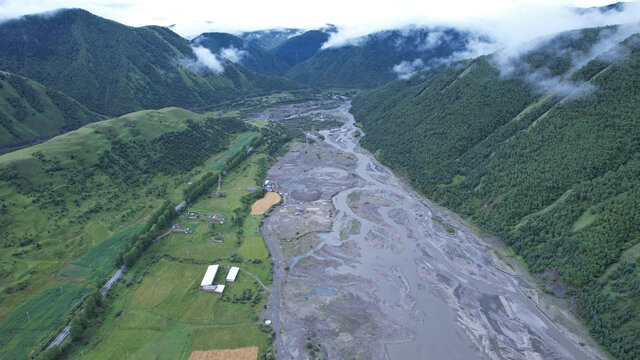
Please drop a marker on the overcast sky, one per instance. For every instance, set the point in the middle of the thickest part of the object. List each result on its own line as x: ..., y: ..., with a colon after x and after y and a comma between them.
x: 356, y: 17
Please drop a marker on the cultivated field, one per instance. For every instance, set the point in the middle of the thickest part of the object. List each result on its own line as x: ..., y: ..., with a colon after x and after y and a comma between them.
x: 249, y: 353
x: 261, y: 206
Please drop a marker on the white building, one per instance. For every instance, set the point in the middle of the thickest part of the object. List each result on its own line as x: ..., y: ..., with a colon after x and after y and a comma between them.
x: 233, y: 272
x: 209, y: 275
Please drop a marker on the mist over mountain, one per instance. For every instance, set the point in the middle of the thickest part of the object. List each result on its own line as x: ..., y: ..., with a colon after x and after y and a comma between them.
x: 271, y: 38
x: 378, y: 58
x: 301, y: 47
x: 243, y: 52
x: 113, y: 69
x: 540, y: 147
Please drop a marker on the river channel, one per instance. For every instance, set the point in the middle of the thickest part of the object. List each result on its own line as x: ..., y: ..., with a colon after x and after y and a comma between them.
x: 366, y: 268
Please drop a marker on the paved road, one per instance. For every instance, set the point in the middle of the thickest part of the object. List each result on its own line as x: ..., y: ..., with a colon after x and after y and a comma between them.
x: 63, y: 335
x: 112, y: 281
x: 60, y: 338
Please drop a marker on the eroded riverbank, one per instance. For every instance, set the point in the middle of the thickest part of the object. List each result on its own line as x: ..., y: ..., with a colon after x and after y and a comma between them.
x: 364, y: 271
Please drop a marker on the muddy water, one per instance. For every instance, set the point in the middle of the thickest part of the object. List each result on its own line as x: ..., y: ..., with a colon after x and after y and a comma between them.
x: 364, y: 271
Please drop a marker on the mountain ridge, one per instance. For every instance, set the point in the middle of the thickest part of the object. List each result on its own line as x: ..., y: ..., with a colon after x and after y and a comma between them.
x: 114, y: 69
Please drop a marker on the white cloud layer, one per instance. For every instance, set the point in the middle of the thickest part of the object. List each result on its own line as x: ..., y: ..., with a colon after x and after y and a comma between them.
x: 406, y: 69
x: 232, y: 54
x: 355, y: 17
x: 205, y: 60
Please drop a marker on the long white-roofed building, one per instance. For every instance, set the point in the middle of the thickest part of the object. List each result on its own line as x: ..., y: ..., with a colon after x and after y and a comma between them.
x: 209, y: 275
x: 233, y: 272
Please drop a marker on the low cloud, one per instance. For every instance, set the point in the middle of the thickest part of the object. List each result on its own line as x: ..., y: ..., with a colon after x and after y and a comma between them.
x: 406, y: 69
x: 232, y: 54
x: 204, y: 61
x: 607, y: 47
x: 507, y: 28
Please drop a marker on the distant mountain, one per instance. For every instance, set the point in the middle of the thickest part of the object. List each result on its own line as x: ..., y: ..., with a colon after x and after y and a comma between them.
x: 269, y: 39
x: 113, y: 69
x: 616, y: 7
x: 370, y: 61
x: 299, y: 48
x: 246, y: 53
x: 541, y: 148
x: 29, y: 110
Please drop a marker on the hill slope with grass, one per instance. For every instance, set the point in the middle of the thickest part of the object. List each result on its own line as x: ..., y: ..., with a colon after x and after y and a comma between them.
x: 62, y: 200
x: 542, y: 149
x: 115, y: 69
x: 29, y: 111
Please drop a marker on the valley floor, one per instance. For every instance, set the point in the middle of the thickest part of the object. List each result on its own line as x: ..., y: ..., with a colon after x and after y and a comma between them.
x: 365, y: 268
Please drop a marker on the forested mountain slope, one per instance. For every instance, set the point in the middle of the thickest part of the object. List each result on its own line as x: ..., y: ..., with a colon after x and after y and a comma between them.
x: 251, y: 56
x: 29, y: 110
x: 301, y: 47
x: 114, y: 69
x: 542, y: 149
x: 379, y: 57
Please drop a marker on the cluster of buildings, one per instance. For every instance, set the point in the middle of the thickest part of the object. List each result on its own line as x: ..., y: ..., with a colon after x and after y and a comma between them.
x: 210, y: 274
x: 269, y: 186
x: 176, y: 228
x: 215, y: 219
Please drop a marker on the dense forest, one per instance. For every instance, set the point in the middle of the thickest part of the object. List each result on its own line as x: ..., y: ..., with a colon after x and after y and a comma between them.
x: 553, y: 171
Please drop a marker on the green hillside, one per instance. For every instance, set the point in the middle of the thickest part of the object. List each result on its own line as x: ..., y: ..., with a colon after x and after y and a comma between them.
x: 29, y: 111
x: 61, y: 199
x: 553, y: 171
x: 254, y: 57
x: 371, y: 61
x: 114, y: 69
x: 299, y: 48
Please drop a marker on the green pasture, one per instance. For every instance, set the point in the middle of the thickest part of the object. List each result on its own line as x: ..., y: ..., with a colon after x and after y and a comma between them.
x: 98, y: 263
x: 22, y: 333
x: 218, y: 161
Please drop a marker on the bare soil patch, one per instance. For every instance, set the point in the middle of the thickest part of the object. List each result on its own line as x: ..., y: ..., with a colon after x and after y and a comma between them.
x: 248, y: 353
x: 261, y: 206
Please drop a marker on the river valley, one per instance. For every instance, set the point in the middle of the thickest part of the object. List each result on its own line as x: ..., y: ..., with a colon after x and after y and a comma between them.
x: 366, y: 268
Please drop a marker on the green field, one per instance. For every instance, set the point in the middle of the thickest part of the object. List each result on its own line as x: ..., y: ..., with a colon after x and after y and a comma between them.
x: 158, y: 310
x: 217, y: 163
x: 22, y: 334
x: 99, y: 261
